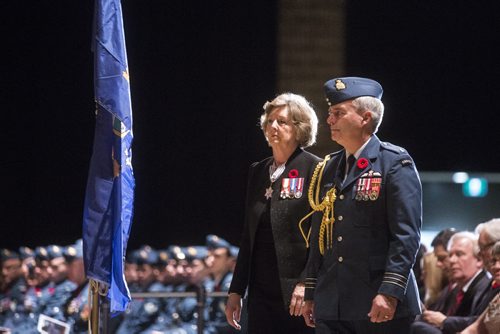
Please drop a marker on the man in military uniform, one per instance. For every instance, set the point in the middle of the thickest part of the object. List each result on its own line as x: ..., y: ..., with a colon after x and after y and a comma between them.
x: 194, y: 272
x: 366, y: 231
x: 13, y: 292
x: 38, y: 295
x: 221, y: 273
x: 142, y: 312
x: 63, y: 287
x: 76, y: 309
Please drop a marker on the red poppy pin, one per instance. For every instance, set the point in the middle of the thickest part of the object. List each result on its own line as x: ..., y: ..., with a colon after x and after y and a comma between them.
x: 293, y: 174
x: 362, y: 163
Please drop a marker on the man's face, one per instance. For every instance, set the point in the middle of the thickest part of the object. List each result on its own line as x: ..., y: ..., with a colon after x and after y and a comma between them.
x: 76, y: 271
x: 346, y: 125
x: 58, y: 269
x: 485, y: 244
x: 42, y: 271
x: 11, y: 270
x: 463, y: 263
x: 443, y: 260
x: 145, y: 275
x: 221, y: 261
x: 130, y: 273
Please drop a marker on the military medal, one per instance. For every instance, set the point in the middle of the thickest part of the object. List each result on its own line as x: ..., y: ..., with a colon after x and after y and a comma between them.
x: 274, y: 173
x: 298, y: 188
x: 285, y: 188
x: 293, y: 186
x: 375, y: 186
x: 368, y: 186
x: 269, y: 192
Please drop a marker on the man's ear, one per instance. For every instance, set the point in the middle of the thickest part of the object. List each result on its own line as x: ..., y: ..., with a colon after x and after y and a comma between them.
x: 367, y: 117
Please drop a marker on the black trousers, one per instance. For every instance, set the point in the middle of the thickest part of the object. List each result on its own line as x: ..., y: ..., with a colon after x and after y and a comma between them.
x: 267, y: 316
x: 396, y: 326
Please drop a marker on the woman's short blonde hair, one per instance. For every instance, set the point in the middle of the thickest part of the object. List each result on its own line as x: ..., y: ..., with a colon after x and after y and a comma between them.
x: 301, y: 114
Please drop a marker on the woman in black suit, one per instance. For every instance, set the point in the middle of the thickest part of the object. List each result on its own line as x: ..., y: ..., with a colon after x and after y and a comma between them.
x: 273, y: 253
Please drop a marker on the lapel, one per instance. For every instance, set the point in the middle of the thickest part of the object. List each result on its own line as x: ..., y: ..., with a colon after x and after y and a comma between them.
x: 262, y: 182
x: 370, y: 153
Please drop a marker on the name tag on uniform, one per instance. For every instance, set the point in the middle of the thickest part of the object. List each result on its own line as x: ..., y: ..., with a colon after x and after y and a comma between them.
x: 368, y: 186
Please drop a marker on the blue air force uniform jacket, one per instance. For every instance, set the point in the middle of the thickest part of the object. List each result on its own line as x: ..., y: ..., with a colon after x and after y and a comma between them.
x: 376, y: 235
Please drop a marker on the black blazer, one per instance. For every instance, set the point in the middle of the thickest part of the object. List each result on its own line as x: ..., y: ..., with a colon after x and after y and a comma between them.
x: 291, y: 251
x: 477, y: 297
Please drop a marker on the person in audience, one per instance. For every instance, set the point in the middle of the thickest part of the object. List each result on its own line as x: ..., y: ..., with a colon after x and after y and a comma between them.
x: 489, y: 321
x: 466, y: 270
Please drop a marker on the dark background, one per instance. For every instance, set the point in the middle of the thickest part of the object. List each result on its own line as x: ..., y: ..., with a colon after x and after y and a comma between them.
x: 200, y: 73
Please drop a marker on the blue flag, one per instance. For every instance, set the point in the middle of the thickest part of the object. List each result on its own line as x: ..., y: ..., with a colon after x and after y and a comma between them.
x: 109, y: 198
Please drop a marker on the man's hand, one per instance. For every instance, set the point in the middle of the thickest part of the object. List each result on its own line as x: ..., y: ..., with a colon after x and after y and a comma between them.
x: 383, y: 308
x: 308, y: 313
x: 233, y: 310
x: 297, y: 301
x: 434, y: 318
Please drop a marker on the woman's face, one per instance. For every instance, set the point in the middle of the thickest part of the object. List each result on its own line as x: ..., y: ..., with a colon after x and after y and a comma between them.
x: 279, y: 129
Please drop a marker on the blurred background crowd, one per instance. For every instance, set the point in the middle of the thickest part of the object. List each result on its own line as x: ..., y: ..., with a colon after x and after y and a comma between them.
x: 459, y: 283
x: 50, y: 280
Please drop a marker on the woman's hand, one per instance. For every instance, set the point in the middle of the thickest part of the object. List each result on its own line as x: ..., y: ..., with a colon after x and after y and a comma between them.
x: 297, y: 301
x: 233, y: 310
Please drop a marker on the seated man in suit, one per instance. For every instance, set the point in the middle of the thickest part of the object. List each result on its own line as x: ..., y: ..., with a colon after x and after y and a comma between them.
x: 472, y: 282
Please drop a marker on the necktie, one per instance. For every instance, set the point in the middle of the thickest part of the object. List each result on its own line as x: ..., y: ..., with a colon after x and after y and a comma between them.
x: 458, y: 301
x: 350, y: 162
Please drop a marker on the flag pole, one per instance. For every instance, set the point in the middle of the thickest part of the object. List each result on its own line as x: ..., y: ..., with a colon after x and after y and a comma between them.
x: 94, y: 307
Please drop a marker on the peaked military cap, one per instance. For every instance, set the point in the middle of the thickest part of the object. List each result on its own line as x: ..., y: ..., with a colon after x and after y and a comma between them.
x: 342, y: 89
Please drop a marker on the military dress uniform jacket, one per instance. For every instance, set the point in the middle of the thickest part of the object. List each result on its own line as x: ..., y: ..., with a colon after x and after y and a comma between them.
x: 291, y: 251
x: 376, y: 235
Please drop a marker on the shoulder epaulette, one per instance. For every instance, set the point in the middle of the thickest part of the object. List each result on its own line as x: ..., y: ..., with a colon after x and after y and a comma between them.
x: 393, y: 148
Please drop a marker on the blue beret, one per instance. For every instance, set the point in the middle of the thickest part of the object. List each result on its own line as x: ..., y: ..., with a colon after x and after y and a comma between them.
x: 214, y: 242
x: 41, y: 254
x: 163, y: 257
x: 7, y: 254
x: 26, y: 252
x: 147, y: 255
x: 234, y: 251
x: 342, y: 89
x: 75, y: 251
x: 132, y: 256
x: 55, y: 251
x: 195, y: 253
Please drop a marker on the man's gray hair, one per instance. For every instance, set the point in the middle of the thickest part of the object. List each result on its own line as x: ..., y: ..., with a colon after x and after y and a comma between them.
x: 472, y: 237
x: 374, y: 106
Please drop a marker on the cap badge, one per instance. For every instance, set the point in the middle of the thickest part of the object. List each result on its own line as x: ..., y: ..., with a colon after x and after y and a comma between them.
x: 339, y: 85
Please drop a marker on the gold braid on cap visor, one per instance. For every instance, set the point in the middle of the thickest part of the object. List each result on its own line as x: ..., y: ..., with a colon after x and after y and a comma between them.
x: 326, y: 206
